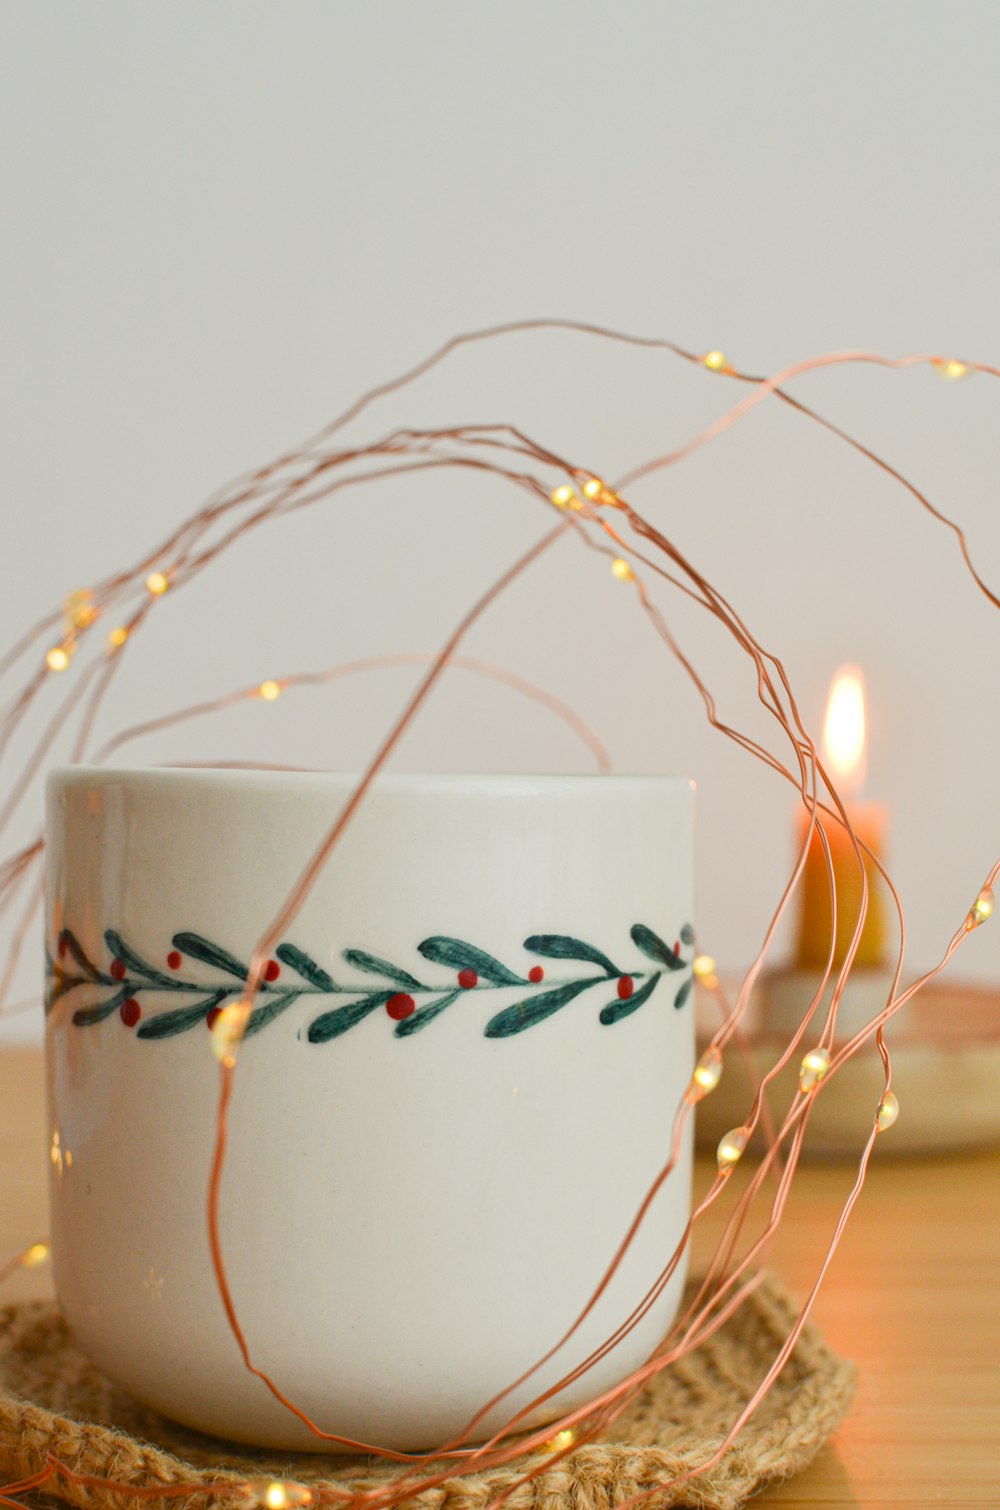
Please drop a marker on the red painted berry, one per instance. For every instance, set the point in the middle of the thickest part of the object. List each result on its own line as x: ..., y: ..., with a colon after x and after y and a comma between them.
x: 130, y: 1013
x: 210, y: 1019
x: 174, y: 960
x: 626, y: 985
x: 62, y: 946
x: 400, y: 1006
x: 677, y: 949
x: 467, y: 979
x: 272, y: 970
x: 117, y: 969
x: 536, y: 973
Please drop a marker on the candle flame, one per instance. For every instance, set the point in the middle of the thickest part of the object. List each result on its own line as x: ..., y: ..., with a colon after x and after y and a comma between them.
x: 844, y: 730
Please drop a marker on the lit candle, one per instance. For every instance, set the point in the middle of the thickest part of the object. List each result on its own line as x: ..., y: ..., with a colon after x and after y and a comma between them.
x: 844, y: 758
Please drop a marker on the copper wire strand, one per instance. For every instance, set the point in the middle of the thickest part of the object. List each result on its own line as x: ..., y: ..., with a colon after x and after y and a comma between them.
x: 285, y: 498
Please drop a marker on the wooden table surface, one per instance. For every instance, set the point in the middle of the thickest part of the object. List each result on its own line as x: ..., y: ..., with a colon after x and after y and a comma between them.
x: 913, y: 1297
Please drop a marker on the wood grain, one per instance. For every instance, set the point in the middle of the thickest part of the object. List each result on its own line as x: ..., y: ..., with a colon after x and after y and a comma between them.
x: 913, y: 1297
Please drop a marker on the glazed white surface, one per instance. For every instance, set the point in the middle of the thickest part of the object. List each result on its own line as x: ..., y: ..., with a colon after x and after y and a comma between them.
x: 407, y: 1222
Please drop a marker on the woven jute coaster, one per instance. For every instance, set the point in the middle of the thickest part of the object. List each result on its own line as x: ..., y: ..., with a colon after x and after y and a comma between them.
x: 53, y: 1401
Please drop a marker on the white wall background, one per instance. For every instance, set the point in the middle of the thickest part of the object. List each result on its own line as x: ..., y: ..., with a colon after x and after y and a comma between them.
x: 222, y: 221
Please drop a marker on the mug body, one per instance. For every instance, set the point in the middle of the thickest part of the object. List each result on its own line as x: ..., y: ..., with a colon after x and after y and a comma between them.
x: 457, y: 1085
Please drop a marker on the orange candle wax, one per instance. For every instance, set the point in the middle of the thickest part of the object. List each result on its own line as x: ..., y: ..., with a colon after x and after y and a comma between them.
x: 868, y: 819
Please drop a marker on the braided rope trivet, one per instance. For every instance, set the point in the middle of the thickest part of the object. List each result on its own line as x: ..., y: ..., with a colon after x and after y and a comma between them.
x: 53, y: 1401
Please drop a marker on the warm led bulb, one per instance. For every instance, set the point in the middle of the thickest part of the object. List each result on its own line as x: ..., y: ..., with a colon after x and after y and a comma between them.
x: 593, y: 488
x: 703, y: 965
x: 813, y: 1068
x: 227, y: 1031
x: 621, y: 569
x: 277, y: 1494
x: 888, y: 1111
x: 949, y: 370
x: 730, y: 1149
x: 981, y: 909
x: 156, y: 583
x: 707, y: 1073
x: 562, y: 497
x: 57, y: 658
x: 118, y: 636
x: 715, y: 361
x: 79, y: 608
x: 562, y: 1440
x: 269, y: 691
x: 37, y: 1254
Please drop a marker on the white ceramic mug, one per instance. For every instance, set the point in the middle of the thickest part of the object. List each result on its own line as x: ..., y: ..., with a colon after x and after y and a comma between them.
x: 457, y: 1087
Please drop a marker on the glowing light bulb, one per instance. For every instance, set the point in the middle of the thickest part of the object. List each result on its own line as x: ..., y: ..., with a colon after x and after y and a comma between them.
x: 227, y: 1031
x: 277, y: 1494
x: 844, y: 729
x: 888, y: 1111
x: 35, y: 1256
x: 118, y: 636
x: 57, y: 658
x: 715, y: 361
x: 948, y: 369
x: 156, y: 583
x: 707, y: 1074
x: 730, y: 1149
x: 593, y: 488
x: 562, y: 497
x: 269, y: 691
x: 813, y: 1068
x: 981, y: 909
x: 79, y: 608
x: 621, y: 569
x: 562, y: 1440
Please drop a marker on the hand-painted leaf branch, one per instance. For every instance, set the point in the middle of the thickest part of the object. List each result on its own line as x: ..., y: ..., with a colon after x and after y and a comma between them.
x: 524, y: 1014
x: 134, y: 962
x: 684, y: 991
x: 298, y: 960
x: 73, y: 947
x: 268, y: 1011
x: 332, y: 1024
x: 562, y: 946
x: 210, y: 954
x: 653, y: 946
x: 616, y: 1010
x: 426, y: 1014
x: 362, y: 960
x: 83, y: 1017
x: 458, y: 955
x: 169, y: 1024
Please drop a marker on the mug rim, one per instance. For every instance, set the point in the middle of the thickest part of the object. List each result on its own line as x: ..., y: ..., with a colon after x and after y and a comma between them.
x: 206, y: 776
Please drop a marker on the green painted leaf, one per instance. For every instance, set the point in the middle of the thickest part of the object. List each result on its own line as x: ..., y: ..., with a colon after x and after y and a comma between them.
x: 75, y: 950
x: 210, y: 954
x: 362, y: 960
x: 616, y: 1010
x: 562, y: 946
x: 84, y: 1017
x: 168, y: 1024
x: 424, y: 1015
x: 653, y: 946
x: 684, y: 992
x: 135, y: 962
x: 524, y: 1014
x: 262, y: 1015
x: 332, y: 1024
x: 458, y: 955
x: 687, y: 934
x: 306, y: 967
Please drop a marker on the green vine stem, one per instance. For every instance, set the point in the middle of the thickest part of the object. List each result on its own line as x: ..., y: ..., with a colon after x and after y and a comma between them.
x: 131, y: 978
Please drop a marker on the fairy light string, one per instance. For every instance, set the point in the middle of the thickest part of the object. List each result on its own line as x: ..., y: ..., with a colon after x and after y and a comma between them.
x: 311, y: 473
